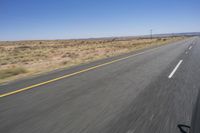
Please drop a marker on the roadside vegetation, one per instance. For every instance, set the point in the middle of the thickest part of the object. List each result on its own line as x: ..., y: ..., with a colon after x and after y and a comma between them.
x: 5, y: 73
x: 23, y: 58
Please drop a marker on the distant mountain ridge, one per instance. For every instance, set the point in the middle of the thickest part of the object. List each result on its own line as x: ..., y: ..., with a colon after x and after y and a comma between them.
x: 145, y: 36
x: 126, y: 37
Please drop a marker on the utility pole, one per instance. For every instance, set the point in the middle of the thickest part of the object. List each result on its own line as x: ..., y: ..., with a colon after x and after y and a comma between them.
x: 151, y: 34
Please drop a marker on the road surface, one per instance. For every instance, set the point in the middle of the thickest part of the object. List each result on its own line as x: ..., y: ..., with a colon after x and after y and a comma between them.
x: 149, y: 91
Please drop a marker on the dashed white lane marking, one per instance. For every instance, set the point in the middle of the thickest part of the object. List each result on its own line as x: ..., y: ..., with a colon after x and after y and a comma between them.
x: 175, y: 69
x: 130, y: 131
x: 190, y: 47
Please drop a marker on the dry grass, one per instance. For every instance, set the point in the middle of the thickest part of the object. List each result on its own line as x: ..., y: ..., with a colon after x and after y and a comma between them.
x: 6, y: 73
x: 43, y: 56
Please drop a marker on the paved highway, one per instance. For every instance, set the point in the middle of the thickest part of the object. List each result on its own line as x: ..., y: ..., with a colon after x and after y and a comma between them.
x: 149, y: 91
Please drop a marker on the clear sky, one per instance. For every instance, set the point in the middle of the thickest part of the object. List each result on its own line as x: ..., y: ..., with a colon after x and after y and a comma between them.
x: 64, y: 19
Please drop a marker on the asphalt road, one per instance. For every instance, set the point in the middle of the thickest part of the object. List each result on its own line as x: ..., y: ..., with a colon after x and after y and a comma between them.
x: 151, y: 91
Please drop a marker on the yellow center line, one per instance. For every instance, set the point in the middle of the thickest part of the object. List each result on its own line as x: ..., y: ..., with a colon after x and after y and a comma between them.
x: 70, y: 75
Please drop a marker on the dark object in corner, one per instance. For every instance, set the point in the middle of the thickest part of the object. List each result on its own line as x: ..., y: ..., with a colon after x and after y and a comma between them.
x: 184, y: 128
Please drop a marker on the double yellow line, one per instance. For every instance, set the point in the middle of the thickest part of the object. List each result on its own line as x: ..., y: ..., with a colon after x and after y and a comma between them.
x: 69, y: 75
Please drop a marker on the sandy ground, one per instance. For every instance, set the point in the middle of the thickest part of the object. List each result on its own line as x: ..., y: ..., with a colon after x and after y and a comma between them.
x: 23, y: 58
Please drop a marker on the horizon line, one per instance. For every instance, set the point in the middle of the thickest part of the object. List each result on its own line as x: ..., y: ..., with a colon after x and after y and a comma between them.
x: 103, y: 37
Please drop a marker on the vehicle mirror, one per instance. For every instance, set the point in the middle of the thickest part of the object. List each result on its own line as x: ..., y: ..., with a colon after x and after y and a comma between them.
x: 184, y: 128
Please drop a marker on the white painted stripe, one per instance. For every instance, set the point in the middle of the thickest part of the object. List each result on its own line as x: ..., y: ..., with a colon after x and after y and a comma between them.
x: 190, y: 47
x: 172, y: 73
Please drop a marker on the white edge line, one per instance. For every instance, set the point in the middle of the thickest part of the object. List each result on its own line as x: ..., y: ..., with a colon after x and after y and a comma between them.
x: 172, y: 73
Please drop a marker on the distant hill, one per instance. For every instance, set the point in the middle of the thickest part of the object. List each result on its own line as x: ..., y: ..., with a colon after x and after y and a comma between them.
x: 178, y: 34
x: 125, y: 37
x: 145, y: 36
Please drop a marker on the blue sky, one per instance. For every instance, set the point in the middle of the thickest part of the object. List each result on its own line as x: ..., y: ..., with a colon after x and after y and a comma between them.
x: 64, y: 19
